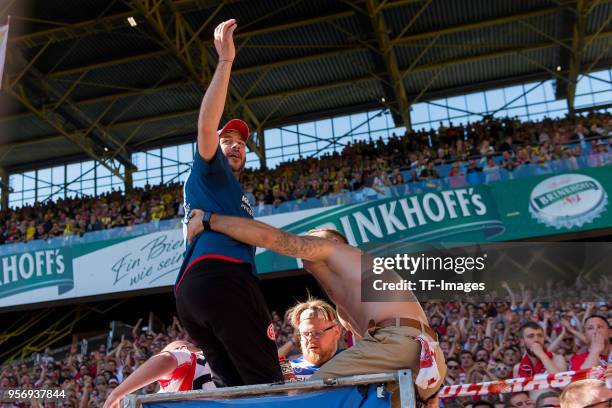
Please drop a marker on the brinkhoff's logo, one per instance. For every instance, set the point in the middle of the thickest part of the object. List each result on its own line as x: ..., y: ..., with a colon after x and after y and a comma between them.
x: 567, y: 200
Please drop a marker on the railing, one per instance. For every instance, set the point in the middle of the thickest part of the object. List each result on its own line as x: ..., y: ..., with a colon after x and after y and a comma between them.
x: 402, y: 377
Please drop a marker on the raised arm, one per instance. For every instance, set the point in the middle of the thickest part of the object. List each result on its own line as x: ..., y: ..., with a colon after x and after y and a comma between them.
x: 214, y: 98
x: 153, y: 369
x: 554, y: 345
x: 263, y: 235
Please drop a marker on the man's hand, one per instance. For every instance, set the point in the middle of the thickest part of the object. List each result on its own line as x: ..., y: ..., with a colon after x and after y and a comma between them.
x: 112, y: 401
x: 224, y: 40
x: 537, y: 349
x: 598, y: 343
x: 194, y: 227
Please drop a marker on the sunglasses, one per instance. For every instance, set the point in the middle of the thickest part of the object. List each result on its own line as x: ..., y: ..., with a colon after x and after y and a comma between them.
x: 452, y: 367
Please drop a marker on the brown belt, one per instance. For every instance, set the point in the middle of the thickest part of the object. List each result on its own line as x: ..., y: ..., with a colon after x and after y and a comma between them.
x: 404, y: 321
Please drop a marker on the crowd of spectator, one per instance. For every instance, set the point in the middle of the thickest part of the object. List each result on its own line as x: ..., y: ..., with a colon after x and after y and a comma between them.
x: 481, y: 342
x: 371, y: 166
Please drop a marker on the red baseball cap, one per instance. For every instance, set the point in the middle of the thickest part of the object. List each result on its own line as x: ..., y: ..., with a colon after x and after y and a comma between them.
x: 239, y: 125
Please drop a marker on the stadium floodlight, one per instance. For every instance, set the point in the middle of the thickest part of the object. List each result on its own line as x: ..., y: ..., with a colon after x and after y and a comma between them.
x: 132, y: 21
x: 558, y: 68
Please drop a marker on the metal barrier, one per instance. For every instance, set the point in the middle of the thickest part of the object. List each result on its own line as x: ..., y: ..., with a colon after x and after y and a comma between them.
x: 402, y: 377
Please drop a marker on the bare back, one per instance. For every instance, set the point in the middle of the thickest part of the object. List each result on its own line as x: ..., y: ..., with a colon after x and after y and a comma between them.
x: 340, y: 276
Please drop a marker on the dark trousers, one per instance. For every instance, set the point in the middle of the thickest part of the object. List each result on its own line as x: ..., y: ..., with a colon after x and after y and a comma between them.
x: 223, y: 310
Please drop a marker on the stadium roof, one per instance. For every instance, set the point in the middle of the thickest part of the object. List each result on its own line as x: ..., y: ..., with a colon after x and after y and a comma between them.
x: 83, y: 82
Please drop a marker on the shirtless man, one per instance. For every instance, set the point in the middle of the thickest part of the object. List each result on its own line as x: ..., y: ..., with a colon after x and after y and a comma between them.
x: 392, y: 332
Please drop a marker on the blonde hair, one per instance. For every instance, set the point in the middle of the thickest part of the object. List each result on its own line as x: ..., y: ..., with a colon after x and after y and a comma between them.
x: 319, y: 306
x: 579, y: 393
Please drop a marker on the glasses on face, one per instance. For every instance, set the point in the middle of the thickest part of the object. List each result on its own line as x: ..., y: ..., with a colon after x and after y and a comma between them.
x: 602, y: 404
x: 453, y: 367
x: 315, y: 333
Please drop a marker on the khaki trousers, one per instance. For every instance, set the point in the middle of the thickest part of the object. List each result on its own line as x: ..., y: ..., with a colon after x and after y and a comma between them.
x: 384, y: 350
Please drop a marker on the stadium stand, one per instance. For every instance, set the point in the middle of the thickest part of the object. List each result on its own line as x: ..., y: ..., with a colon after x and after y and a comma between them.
x: 493, y: 148
x: 479, y: 340
x: 104, y: 83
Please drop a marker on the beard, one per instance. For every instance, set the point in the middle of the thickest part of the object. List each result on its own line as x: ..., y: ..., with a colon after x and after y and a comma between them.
x: 242, y: 164
x: 317, y: 357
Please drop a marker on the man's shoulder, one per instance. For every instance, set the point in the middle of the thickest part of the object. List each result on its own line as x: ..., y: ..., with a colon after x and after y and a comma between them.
x: 218, y: 163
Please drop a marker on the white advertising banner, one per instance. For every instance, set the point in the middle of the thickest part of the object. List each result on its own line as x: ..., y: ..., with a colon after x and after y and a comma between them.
x: 144, y: 262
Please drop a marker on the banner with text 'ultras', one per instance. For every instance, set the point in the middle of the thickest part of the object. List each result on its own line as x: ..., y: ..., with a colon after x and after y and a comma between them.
x: 524, y: 208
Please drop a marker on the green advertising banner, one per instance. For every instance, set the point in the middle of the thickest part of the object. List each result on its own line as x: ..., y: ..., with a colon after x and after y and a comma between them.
x: 531, y: 207
x: 524, y: 208
x: 557, y: 204
x: 26, y: 271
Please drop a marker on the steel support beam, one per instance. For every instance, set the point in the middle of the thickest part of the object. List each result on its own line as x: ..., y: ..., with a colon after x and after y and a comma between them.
x: 57, y: 122
x: 4, y: 188
x: 380, y: 30
x: 477, y: 25
x: 174, y: 35
x: 64, y: 113
x: 105, y: 24
x: 249, y: 34
x: 206, y: 43
x: 261, y: 136
x: 177, y: 36
x: 281, y: 96
x: 578, y: 29
x: 128, y: 180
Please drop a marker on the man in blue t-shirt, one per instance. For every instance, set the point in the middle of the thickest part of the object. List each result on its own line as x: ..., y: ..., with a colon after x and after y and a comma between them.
x: 217, y: 294
x: 317, y: 323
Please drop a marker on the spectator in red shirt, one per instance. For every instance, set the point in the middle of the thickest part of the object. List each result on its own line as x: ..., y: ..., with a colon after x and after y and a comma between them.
x: 597, y: 333
x: 537, y: 359
x: 179, y: 367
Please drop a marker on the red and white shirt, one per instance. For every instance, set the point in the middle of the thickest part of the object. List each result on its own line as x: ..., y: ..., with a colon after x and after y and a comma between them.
x: 578, y: 360
x: 191, y: 373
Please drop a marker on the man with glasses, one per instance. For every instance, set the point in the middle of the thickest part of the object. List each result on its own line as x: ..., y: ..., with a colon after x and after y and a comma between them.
x: 453, y: 374
x: 317, y: 323
x: 395, y: 334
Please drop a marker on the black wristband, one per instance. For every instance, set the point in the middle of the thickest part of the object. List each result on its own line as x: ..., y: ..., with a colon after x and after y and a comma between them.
x: 206, y: 220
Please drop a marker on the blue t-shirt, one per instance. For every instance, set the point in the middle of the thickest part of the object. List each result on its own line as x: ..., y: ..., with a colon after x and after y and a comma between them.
x: 211, y: 186
x: 304, y: 369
